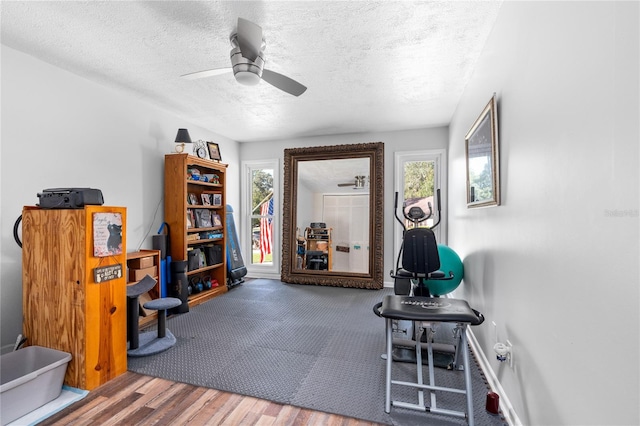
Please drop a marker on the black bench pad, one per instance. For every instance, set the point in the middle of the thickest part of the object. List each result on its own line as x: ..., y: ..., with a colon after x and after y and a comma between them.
x: 434, y: 309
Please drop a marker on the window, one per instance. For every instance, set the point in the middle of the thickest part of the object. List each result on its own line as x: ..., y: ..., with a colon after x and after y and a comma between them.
x: 418, y: 175
x: 259, y: 216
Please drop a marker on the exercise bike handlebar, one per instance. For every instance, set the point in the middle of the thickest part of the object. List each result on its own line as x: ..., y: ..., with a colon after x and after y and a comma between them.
x: 395, y: 212
x: 434, y: 276
x: 439, y: 209
x: 419, y: 215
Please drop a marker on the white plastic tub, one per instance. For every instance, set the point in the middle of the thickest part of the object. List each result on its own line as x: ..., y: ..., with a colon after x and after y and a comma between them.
x: 29, y: 378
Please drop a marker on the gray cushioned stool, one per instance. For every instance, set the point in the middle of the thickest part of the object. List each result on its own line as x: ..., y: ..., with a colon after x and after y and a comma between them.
x: 133, y: 291
x: 152, y: 342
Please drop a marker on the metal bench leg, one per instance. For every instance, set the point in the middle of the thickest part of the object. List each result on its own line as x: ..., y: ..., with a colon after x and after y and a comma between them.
x: 418, y: 332
x: 387, y: 403
x: 467, y: 374
x: 432, y: 373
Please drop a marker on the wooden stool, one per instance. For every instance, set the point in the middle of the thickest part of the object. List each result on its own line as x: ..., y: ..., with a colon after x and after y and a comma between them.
x: 152, y: 342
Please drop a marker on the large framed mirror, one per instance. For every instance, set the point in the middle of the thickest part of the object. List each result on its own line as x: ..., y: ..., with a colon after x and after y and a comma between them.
x: 333, y: 215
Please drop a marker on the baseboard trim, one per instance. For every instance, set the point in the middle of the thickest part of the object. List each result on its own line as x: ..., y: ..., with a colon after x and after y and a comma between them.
x: 7, y: 348
x: 265, y: 275
x: 492, y: 380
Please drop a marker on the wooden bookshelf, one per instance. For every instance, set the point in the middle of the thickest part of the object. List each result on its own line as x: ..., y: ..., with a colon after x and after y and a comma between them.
x: 181, y: 190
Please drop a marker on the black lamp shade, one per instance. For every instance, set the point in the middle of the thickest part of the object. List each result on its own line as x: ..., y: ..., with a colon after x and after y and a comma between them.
x: 183, y: 136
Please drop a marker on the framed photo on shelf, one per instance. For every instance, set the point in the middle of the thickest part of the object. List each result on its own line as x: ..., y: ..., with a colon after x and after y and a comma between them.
x: 216, y: 199
x: 206, y: 199
x: 214, y: 151
x: 203, y: 218
x: 192, y: 199
x: 215, y: 219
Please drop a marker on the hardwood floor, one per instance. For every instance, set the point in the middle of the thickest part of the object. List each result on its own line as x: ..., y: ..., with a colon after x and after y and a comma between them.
x: 134, y: 399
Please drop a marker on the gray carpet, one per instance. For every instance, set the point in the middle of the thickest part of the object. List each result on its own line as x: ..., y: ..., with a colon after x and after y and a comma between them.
x: 308, y: 346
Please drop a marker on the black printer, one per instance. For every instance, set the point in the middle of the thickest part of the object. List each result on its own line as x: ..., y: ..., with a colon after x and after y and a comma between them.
x: 69, y: 198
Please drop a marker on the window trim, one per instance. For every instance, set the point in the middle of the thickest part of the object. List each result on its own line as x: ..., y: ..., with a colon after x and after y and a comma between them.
x: 439, y: 156
x: 258, y: 270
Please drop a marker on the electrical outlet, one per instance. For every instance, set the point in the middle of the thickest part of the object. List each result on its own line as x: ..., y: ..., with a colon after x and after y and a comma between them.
x: 510, y: 354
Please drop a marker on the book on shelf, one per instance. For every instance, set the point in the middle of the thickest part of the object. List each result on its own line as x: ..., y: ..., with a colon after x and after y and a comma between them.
x: 193, y: 237
x: 211, y: 235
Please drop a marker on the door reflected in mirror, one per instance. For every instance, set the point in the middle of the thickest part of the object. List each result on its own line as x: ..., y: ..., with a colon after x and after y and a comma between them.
x: 333, y: 215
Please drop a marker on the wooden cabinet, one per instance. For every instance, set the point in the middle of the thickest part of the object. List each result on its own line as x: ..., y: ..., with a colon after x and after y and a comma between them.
x: 194, y: 208
x: 139, y: 264
x: 74, y: 293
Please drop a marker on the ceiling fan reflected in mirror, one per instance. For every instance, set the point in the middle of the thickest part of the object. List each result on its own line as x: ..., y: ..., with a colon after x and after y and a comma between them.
x: 358, y: 182
x: 248, y: 59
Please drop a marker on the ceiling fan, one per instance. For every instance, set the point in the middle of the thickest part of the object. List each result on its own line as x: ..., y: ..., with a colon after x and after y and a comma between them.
x: 248, y: 59
x: 358, y: 182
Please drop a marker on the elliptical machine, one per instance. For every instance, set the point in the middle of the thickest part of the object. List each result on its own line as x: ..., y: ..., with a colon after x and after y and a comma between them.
x: 421, y: 264
x: 418, y: 267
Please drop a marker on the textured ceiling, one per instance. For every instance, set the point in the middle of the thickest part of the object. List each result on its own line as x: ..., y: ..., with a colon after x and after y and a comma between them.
x: 324, y: 176
x: 368, y: 66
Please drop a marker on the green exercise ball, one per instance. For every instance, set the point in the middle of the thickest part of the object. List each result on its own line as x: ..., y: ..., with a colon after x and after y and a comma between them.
x: 449, y: 262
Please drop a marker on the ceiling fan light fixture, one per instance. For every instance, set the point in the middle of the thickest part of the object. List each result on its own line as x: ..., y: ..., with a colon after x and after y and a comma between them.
x: 247, y: 78
x: 246, y: 72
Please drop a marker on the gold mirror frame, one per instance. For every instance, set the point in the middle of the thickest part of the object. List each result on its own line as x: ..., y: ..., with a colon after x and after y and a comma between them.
x: 481, y: 142
x: 374, y: 151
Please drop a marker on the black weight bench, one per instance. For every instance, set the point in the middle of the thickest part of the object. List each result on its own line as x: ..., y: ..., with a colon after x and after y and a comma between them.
x: 424, y: 311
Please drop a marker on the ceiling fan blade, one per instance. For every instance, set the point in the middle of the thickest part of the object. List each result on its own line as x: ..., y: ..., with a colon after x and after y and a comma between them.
x: 346, y: 184
x: 206, y: 73
x: 283, y: 82
x: 249, y: 39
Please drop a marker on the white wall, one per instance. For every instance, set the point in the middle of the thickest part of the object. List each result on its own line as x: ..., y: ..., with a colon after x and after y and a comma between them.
x: 406, y: 140
x: 556, y: 266
x: 307, y: 209
x: 59, y: 130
